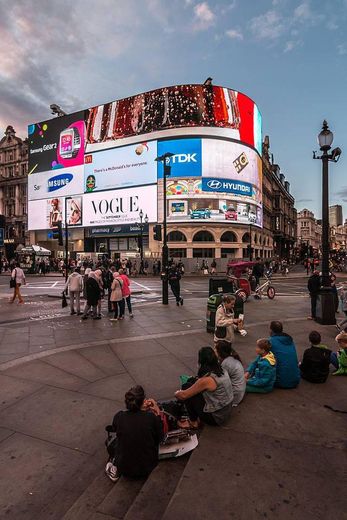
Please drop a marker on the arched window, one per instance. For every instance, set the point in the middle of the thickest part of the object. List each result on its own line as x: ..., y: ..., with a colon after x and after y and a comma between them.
x: 228, y: 236
x: 245, y: 238
x: 203, y: 236
x: 176, y: 236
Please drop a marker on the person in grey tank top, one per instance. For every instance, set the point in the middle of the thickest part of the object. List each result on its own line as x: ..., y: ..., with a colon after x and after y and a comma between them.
x: 208, y: 398
x: 231, y: 363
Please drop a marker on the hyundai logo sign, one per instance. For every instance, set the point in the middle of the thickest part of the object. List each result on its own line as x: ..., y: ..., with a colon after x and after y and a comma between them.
x: 214, y: 184
x: 59, y: 181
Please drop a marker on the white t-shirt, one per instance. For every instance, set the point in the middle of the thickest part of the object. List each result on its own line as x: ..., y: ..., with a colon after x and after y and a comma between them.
x: 18, y: 274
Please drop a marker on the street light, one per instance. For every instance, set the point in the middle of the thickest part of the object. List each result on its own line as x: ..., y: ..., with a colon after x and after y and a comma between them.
x: 326, y: 315
x: 165, y: 159
x: 141, y: 226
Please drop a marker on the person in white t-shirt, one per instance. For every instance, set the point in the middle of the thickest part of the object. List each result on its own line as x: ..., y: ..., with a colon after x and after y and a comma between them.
x: 19, y: 276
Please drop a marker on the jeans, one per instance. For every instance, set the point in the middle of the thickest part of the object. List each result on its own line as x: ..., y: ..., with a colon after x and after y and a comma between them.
x: 128, y: 301
x: 120, y: 305
x: 75, y: 295
x: 195, y: 406
x: 334, y: 361
x: 176, y: 289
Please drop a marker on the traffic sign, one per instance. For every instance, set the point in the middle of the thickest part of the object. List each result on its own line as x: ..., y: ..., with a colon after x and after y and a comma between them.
x: 1, y: 237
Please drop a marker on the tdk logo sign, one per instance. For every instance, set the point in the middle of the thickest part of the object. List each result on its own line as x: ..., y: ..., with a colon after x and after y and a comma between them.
x: 184, y: 158
x: 227, y: 186
x: 59, y: 181
x: 214, y: 184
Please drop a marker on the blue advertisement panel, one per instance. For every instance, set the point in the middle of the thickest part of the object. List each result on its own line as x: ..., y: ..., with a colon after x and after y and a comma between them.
x: 226, y: 186
x: 186, y: 161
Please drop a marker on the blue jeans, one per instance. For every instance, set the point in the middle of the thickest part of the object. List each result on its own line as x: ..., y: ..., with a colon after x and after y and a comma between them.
x: 333, y: 360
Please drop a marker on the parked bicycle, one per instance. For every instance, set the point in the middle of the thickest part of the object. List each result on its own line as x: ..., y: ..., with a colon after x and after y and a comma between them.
x: 265, y: 288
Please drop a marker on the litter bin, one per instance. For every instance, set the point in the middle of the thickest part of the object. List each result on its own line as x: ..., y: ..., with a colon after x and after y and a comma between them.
x: 220, y: 284
x: 213, y: 303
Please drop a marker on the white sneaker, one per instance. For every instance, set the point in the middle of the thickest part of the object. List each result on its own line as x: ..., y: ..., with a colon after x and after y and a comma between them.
x: 111, y: 472
x: 113, y: 319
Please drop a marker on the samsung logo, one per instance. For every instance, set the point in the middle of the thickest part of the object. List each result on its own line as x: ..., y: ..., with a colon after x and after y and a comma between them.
x: 59, y: 181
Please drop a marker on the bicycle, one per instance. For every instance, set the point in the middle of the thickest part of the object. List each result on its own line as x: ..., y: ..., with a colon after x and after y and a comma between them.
x: 265, y: 287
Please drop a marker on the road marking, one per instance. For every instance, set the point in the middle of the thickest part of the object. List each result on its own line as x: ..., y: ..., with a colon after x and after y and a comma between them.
x: 141, y: 285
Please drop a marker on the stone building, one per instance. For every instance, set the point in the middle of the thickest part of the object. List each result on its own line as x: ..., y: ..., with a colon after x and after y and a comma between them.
x: 309, y: 231
x: 335, y: 215
x: 279, y: 213
x: 13, y: 190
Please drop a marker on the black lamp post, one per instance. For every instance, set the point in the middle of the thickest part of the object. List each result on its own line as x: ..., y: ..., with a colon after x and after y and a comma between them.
x: 326, y: 303
x: 165, y: 159
x: 143, y: 222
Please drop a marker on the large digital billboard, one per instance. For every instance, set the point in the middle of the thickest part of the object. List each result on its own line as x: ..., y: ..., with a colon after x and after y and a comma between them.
x: 132, y: 165
x: 165, y: 110
x: 121, y: 206
x: 104, y: 159
x: 57, y: 143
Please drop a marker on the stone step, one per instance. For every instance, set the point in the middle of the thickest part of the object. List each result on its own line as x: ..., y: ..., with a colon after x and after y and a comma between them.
x: 155, y: 495
x: 120, y: 498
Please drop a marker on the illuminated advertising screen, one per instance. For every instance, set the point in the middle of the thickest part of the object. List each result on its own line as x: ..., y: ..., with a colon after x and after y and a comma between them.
x: 165, y: 110
x: 45, y: 214
x: 62, y: 182
x: 222, y: 184
x: 132, y: 165
x: 120, y: 206
x: 57, y: 143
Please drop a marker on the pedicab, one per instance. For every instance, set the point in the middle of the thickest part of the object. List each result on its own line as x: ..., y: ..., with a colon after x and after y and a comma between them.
x: 240, y: 274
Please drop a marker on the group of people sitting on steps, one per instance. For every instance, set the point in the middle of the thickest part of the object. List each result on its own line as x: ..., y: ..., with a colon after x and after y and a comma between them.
x: 220, y: 384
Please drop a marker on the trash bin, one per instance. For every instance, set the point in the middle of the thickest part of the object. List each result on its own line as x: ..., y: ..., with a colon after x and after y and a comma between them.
x: 221, y: 284
x: 213, y: 303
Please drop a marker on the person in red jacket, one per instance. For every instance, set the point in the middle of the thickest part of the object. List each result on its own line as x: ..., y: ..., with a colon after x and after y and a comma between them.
x: 126, y: 291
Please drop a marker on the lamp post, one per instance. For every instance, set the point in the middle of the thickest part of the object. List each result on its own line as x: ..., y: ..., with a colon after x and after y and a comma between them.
x: 165, y: 159
x: 326, y: 304
x: 141, y: 226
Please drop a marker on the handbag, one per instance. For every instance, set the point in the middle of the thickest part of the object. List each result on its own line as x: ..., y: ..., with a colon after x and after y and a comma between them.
x: 221, y: 332
x: 63, y: 301
x: 13, y: 281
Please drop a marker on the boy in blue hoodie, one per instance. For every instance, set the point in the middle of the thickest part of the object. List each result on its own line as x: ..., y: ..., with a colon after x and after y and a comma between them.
x: 284, y: 350
x: 261, y: 374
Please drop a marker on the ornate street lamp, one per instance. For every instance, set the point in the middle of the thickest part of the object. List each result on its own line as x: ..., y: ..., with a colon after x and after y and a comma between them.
x: 326, y: 304
x: 142, y: 224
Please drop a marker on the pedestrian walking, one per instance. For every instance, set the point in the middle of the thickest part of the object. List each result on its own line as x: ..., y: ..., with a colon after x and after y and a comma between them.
x: 99, y: 277
x: 74, y: 284
x: 313, y: 285
x: 117, y: 297
x: 93, y: 294
x: 174, y: 277
x: 17, y: 279
x: 126, y: 291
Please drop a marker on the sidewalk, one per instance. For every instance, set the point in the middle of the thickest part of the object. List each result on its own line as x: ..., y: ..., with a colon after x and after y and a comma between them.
x: 63, y: 381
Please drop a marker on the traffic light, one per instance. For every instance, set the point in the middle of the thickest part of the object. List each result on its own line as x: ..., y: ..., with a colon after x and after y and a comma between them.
x: 167, y: 167
x: 157, y: 232
x: 57, y: 232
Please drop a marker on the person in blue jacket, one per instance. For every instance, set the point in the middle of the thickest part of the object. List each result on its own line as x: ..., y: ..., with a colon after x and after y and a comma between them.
x: 261, y: 374
x: 284, y: 350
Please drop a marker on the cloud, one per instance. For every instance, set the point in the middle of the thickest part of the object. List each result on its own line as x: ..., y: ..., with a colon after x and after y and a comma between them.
x: 203, y: 17
x: 301, y: 201
x: 332, y: 26
x: 303, y: 11
x: 267, y: 26
x: 342, y: 49
x: 291, y: 44
x: 342, y: 193
x: 234, y: 34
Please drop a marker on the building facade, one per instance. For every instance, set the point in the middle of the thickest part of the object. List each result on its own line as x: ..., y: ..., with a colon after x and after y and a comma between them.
x: 335, y: 215
x: 280, y: 215
x: 309, y: 232
x: 13, y: 190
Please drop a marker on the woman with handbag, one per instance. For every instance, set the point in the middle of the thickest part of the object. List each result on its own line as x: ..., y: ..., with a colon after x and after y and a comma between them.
x: 17, y: 279
x: 225, y: 321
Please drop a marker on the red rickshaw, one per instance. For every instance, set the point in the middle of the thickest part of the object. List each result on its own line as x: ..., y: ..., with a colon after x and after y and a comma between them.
x: 241, y: 275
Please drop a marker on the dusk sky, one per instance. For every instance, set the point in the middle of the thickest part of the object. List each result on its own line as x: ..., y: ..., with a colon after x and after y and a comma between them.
x: 289, y: 56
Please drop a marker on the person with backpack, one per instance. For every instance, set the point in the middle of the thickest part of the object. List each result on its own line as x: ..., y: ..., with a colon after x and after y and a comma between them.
x: 116, y: 297
x: 17, y: 279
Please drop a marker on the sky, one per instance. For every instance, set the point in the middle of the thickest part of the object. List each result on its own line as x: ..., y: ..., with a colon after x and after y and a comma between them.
x: 289, y: 56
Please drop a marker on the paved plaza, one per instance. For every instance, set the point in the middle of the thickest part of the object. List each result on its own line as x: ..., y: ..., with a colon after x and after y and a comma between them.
x: 282, y: 455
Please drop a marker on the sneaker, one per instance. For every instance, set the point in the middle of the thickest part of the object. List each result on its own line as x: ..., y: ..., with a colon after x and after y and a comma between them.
x: 181, y: 302
x: 111, y: 472
x: 73, y: 312
x: 97, y: 318
x: 309, y: 318
x: 84, y: 317
x: 113, y: 319
x: 131, y: 315
x: 121, y: 318
x: 79, y: 313
x: 178, y: 304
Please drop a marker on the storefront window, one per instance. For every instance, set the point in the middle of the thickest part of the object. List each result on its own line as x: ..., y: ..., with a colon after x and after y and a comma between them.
x: 203, y: 252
